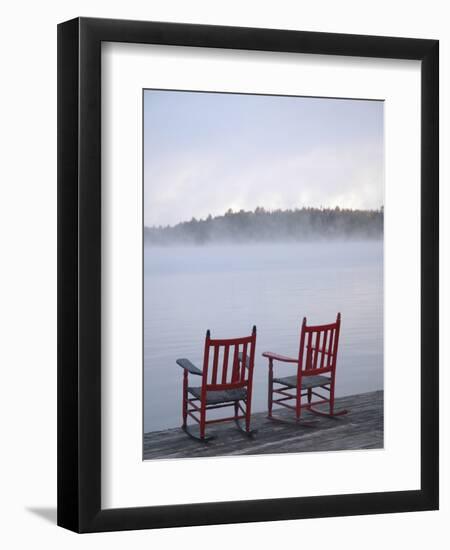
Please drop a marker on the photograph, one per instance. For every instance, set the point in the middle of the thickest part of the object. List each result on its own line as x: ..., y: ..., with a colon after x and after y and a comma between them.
x: 248, y: 276
x: 262, y: 274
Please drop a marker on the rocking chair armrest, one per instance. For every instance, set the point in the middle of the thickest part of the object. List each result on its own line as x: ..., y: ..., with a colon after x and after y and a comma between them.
x: 187, y: 365
x: 247, y: 362
x: 277, y: 357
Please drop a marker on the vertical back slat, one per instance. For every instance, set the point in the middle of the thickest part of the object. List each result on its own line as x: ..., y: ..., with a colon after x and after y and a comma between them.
x: 244, y: 361
x: 309, y: 351
x: 330, y: 349
x: 324, y: 348
x: 215, y: 363
x: 235, y: 375
x: 316, y: 348
x: 225, y: 364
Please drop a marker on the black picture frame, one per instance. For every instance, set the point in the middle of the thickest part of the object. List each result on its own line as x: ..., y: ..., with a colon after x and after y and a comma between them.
x: 79, y: 274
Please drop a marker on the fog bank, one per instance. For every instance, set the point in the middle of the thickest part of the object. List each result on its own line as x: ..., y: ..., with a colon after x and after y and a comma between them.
x: 297, y: 225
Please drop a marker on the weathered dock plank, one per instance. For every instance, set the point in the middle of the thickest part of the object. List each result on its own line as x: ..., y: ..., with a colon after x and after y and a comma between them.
x: 361, y: 428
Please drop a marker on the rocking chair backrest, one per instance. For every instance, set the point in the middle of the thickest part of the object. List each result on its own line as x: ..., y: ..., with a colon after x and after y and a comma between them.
x: 222, y: 367
x: 319, y: 347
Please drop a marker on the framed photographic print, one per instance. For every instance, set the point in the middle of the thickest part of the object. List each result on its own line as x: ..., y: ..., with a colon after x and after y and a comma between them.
x: 248, y: 274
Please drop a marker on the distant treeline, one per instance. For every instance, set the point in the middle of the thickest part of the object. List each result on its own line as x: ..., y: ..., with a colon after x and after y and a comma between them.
x: 300, y: 224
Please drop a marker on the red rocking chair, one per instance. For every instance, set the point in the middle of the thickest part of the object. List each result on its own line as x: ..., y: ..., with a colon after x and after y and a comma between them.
x: 316, y: 371
x: 227, y: 378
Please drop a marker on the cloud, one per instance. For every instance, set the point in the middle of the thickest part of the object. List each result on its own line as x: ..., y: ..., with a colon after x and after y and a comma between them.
x: 195, y: 183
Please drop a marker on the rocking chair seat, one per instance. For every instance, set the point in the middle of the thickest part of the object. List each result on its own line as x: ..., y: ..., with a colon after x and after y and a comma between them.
x: 307, y: 381
x: 214, y: 397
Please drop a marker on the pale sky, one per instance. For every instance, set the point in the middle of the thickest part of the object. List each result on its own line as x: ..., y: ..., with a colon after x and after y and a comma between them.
x: 207, y: 152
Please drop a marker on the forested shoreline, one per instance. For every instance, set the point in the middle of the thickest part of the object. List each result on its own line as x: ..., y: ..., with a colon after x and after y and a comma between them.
x: 261, y: 225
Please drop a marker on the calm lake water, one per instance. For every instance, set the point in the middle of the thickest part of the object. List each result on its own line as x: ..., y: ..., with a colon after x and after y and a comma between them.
x: 228, y: 289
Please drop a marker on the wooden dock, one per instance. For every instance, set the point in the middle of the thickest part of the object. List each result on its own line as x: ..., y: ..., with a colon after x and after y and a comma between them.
x: 361, y: 428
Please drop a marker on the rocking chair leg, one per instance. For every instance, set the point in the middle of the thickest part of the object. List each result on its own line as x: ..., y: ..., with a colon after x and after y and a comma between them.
x: 203, y: 439
x: 297, y: 421
x: 202, y: 421
x: 332, y: 412
x: 270, y: 397
x: 247, y: 431
x: 185, y: 398
x: 248, y: 406
x: 298, y: 404
x: 247, y: 418
x: 202, y: 426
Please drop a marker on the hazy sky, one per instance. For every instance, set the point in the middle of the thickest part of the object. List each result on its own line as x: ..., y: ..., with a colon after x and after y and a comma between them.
x: 207, y: 152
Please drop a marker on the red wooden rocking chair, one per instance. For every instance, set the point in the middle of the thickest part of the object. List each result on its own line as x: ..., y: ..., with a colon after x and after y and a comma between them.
x: 227, y: 382
x: 316, y: 370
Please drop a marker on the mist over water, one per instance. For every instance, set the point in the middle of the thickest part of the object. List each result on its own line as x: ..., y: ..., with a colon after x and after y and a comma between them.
x: 229, y: 288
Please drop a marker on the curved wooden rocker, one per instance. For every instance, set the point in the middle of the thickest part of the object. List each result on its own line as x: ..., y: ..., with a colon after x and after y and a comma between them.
x: 227, y: 378
x: 316, y: 371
